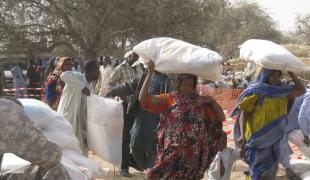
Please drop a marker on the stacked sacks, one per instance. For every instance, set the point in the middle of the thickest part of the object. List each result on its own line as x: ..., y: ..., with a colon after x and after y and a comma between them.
x: 57, y: 130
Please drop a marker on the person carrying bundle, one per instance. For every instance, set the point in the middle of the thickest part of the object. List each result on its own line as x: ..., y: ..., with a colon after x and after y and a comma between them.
x: 261, y: 110
x: 73, y: 101
x: 189, y: 131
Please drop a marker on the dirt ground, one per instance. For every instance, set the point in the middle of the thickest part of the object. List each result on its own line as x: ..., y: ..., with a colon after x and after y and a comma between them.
x: 237, y: 173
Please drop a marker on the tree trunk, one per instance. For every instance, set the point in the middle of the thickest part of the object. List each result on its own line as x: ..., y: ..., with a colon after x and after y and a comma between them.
x: 90, y: 54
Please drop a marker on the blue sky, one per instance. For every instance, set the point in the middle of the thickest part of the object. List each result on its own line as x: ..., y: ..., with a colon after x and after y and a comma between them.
x: 284, y: 12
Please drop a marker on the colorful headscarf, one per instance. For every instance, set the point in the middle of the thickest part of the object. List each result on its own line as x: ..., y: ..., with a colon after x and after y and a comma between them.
x: 263, y: 76
x: 182, y: 77
x: 61, y: 62
x: 53, y: 84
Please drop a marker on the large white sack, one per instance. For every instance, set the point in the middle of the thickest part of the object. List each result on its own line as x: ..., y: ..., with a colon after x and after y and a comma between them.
x: 296, y: 137
x: 105, y: 127
x: 301, y: 167
x: 38, y: 112
x: 63, y: 140
x: 61, y: 132
x: 53, y: 125
x: 73, y: 170
x: 61, y: 124
x: 11, y: 162
x: 176, y: 56
x: 270, y: 55
x: 89, y: 166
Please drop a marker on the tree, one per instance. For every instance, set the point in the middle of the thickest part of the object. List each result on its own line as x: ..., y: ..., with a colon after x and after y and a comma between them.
x: 237, y: 23
x: 86, y: 25
x: 111, y: 27
x: 303, y: 28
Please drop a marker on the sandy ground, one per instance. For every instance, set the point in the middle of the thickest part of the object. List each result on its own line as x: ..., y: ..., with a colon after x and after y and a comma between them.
x: 237, y: 173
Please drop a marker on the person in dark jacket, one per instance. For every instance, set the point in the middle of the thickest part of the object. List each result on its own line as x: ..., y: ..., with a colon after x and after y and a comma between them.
x: 144, y: 130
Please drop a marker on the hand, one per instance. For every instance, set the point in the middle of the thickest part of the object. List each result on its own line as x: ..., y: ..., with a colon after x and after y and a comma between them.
x: 242, y: 143
x: 204, y: 99
x: 307, y: 141
x: 150, y: 65
x: 86, y: 91
x: 108, y: 95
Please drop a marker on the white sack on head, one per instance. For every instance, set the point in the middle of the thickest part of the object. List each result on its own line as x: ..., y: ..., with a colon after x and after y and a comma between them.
x: 176, y: 56
x: 128, y: 54
x: 270, y: 55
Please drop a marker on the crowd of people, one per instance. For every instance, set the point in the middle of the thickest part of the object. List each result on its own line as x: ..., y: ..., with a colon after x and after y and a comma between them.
x: 170, y: 130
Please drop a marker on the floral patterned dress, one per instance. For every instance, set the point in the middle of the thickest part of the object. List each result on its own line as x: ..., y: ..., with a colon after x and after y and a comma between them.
x: 187, y: 137
x: 53, y: 89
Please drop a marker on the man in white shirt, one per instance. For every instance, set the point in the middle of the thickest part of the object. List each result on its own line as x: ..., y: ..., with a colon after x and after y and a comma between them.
x: 19, y: 81
x: 106, y: 70
x: 73, y: 102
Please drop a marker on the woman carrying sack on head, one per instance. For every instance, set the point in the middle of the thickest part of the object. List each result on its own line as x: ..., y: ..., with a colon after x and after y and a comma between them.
x: 189, y: 131
x: 261, y: 110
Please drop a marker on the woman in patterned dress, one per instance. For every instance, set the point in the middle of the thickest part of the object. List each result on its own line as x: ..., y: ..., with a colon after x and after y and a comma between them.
x: 189, y: 130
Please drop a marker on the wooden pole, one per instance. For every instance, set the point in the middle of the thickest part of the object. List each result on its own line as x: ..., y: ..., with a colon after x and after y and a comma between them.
x: 114, y: 173
x: 2, y: 80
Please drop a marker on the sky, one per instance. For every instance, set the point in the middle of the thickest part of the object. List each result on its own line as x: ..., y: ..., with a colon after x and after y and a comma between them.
x: 284, y: 12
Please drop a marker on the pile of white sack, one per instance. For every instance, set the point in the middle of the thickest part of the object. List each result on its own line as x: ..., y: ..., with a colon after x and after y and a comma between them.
x: 175, y: 56
x: 270, y: 55
x: 58, y: 130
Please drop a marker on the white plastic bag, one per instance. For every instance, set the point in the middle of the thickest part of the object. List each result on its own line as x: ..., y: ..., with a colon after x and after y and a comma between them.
x: 53, y: 125
x: 11, y: 162
x: 270, y: 55
x: 61, y: 124
x: 74, y: 170
x: 63, y: 140
x: 61, y: 132
x: 105, y: 127
x: 176, y: 56
x: 300, y: 166
x: 38, y: 112
x: 91, y: 167
x: 296, y: 137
